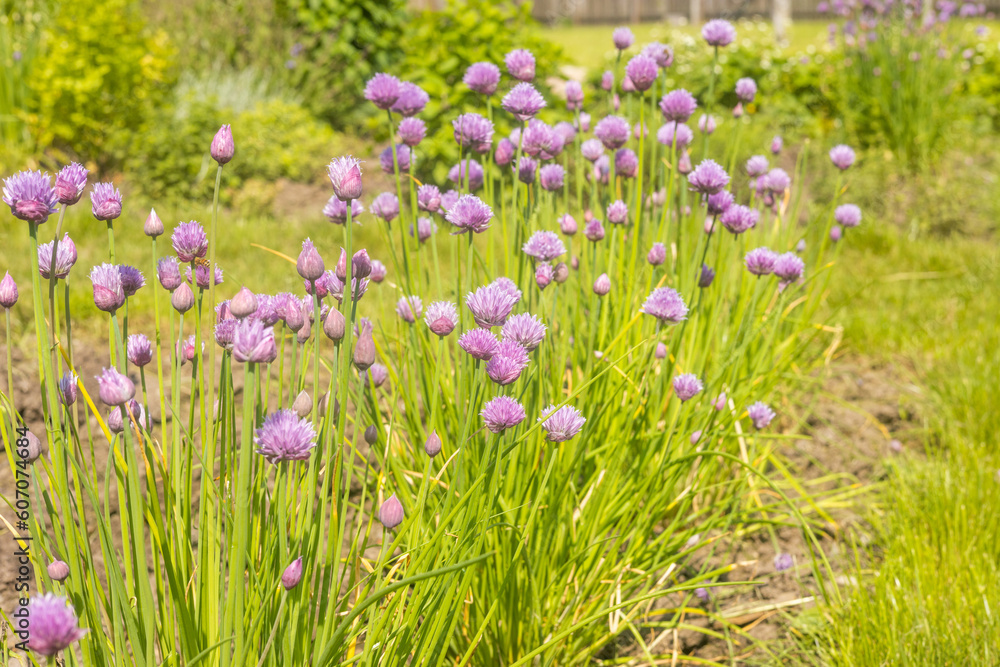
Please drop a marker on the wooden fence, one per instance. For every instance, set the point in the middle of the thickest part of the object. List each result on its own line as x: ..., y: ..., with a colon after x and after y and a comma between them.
x: 634, y: 11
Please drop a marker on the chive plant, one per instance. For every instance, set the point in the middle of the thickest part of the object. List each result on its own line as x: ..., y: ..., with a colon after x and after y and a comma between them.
x: 568, y: 430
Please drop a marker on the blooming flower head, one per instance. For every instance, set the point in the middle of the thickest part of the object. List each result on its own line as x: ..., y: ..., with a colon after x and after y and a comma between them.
x: 594, y: 230
x: 189, y: 241
x: 661, y: 54
x: 106, y: 200
x: 706, y: 276
x: 523, y: 101
x: 504, y: 152
x: 544, y: 246
x: 169, y: 273
x: 540, y: 140
x: 678, y: 105
x: 425, y: 229
x: 574, y: 95
x: 429, y: 198
x: 30, y: 196
x: 626, y: 163
x: 848, y: 215
x: 642, y: 71
x: 672, y: 132
x: 776, y: 181
x: 509, y: 286
x: 336, y: 210
x: 505, y: 366
x: 708, y: 177
x: 760, y: 414
x: 382, y: 90
x: 719, y: 203
x: 613, y: 131
x: 201, y: 274
x: 491, y: 305
x: 760, y: 261
x: 525, y: 329
x: 284, y: 436
x: 502, y: 413
x: 139, y: 350
x: 52, y: 624
x: 470, y: 214
x: 109, y: 295
x: 551, y: 177
x: 776, y: 145
x: 718, y: 32
x: 617, y: 212
x: 666, y: 305
x: 253, y: 342
x: 132, y: 279
x: 623, y: 38
x: 608, y: 80
x: 783, y: 561
x: 520, y: 64
x: 562, y: 424
x: 65, y: 258
x: 756, y: 166
x: 657, y: 254
x: 411, y: 131
x: 467, y: 174
x: 687, y: 386
x: 482, y: 78
x: 441, y: 317
x: 473, y: 132
x: 70, y: 183
x: 385, y: 206
x: 409, y: 309
x: 412, y: 99
x: 842, y: 156
x: 746, y: 89
x: 479, y: 344
x: 592, y: 149
x: 115, y: 389
x: 402, y: 159
x: 345, y: 175
x: 789, y: 267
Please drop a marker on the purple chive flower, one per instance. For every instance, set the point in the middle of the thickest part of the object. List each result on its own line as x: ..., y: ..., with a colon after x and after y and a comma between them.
x: 760, y: 414
x: 783, y: 562
x: 429, y: 198
x: 224, y: 332
x: 756, y: 166
x: 473, y: 132
x: 626, y: 163
x: 574, y: 95
x: 520, y: 64
x: 115, y: 389
x: 182, y: 298
x: 602, y: 285
x: 661, y: 54
x: 719, y: 203
x: 592, y: 149
x: 551, y: 177
x: 613, y: 131
x: 441, y: 317
x: 448, y: 200
x: 836, y: 233
x: 617, y: 212
x: 480, y: 344
x: 284, y: 436
x: 508, y: 286
x: 623, y: 38
x: 310, y: 264
x: 657, y: 254
x: 378, y: 271
x: 504, y: 152
x: 106, y: 200
x: 594, y: 230
x: 608, y: 80
x: 65, y: 258
x: 674, y: 131
x: 776, y: 181
x: 189, y: 241
x: 52, y: 625
x: 382, y: 90
x: 678, y: 105
x: 562, y: 424
x: 139, y: 350
x: 336, y: 210
x: 702, y: 594
x: 684, y: 163
x: 842, y: 156
x: 30, y: 196
x: 505, y: 366
x: 411, y: 131
x: 390, y: 514
x: 409, y: 309
x: 539, y: 140
x: 526, y: 170
x: 244, y: 304
x: 502, y: 413
x: 169, y: 273
x: 706, y: 124
x: 642, y: 70
x: 738, y: 218
x: 760, y: 261
x: 467, y: 169
x: 153, y: 227
x: 402, y: 159
x: 470, y: 214
x: 491, y: 305
x: 567, y: 224
x: 789, y: 267
x: 412, y: 99
x: 544, y: 246
x: 292, y: 575
x: 253, y: 342
x: 200, y: 277
x: 661, y: 351
x: 847, y: 215
x: 746, y: 89
x: 718, y: 32
x: 544, y: 275
x: 425, y: 229
x: 776, y: 145
x: 109, y: 295
x: 687, y: 386
x: 666, y: 305
x: 720, y: 402
x: 706, y: 276
x: 523, y: 101
x: 708, y: 177
x: 345, y: 175
x: 482, y: 78
x: 70, y: 183
x: 432, y: 446
x: 131, y: 279
x: 67, y: 388
x: 525, y: 329
x: 385, y: 206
